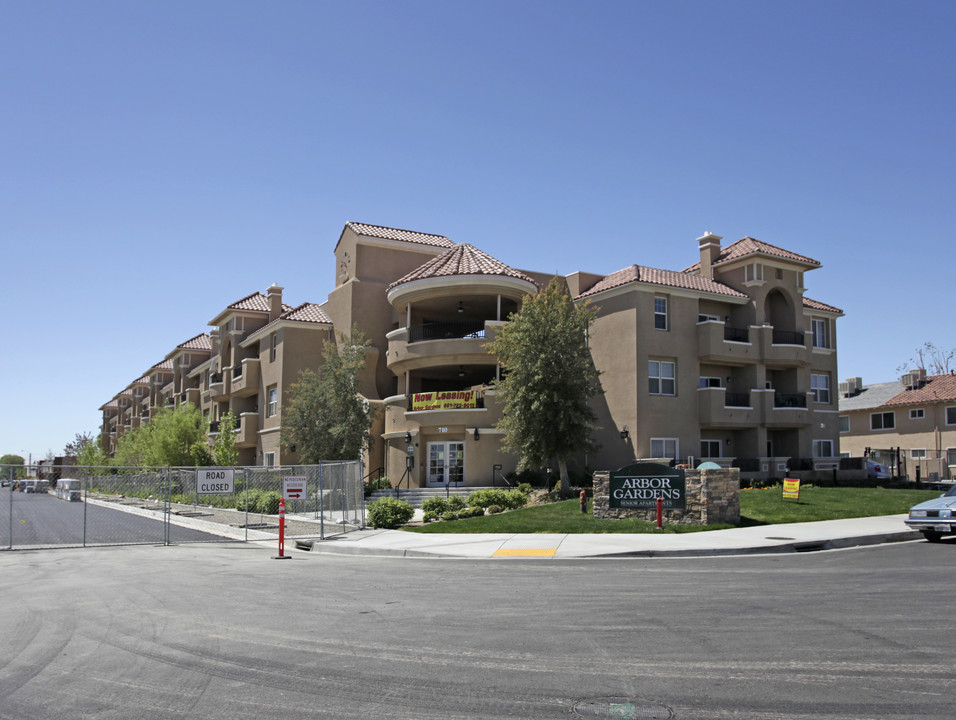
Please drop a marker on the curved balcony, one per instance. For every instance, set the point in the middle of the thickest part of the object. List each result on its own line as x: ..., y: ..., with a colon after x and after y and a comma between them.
x: 441, y: 343
x: 783, y: 348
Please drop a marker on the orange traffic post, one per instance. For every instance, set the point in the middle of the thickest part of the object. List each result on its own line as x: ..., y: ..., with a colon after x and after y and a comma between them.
x: 281, y: 555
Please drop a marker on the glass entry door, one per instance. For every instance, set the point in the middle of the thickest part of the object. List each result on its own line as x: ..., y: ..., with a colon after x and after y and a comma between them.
x: 446, y: 463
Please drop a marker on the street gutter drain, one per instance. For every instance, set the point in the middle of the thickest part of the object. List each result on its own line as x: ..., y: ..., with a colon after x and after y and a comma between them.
x: 622, y: 708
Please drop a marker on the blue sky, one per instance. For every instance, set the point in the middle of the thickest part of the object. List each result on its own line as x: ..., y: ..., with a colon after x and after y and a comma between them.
x: 159, y: 161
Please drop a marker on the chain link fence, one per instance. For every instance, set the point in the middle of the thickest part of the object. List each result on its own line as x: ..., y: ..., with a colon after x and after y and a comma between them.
x: 88, y: 506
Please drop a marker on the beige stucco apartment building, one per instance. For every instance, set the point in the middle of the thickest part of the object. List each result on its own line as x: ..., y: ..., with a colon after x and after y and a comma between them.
x: 726, y: 360
x: 910, y: 421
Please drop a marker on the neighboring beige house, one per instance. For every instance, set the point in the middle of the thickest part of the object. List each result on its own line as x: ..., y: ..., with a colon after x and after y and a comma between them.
x: 915, y: 416
x: 725, y: 360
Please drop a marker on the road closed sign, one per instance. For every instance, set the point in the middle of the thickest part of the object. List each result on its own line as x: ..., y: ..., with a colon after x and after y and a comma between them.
x: 215, y: 481
x: 293, y: 487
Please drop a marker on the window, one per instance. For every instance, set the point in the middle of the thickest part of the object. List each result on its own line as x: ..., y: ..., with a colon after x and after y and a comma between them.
x: 820, y: 385
x: 951, y: 416
x: 844, y: 423
x: 269, y: 459
x: 660, y: 313
x: 820, y: 330
x: 917, y: 453
x: 753, y: 272
x: 822, y: 448
x: 661, y: 378
x: 882, y: 421
x: 706, y: 382
x: 706, y: 318
x: 273, y: 341
x: 917, y: 414
x: 779, y: 274
x: 951, y: 456
x: 710, y: 448
x: 664, y: 448
x: 272, y: 401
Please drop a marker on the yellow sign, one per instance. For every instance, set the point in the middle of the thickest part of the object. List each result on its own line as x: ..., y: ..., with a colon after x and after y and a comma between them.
x: 791, y: 488
x: 453, y: 400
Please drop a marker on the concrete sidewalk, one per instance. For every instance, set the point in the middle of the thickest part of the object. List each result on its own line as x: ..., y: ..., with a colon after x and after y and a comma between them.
x: 795, y: 537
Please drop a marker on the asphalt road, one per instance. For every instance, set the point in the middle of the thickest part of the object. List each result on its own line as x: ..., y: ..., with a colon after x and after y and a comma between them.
x: 227, y: 632
x: 43, y: 520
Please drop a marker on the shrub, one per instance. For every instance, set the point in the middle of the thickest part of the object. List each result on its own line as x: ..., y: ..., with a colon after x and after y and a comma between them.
x: 382, y: 483
x: 435, y: 505
x: 431, y: 516
x: 510, y: 499
x: 389, y: 513
x: 269, y: 502
x: 524, y: 488
x: 495, y: 509
x: 449, y: 516
x: 457, y: 502
x: 470, y: 512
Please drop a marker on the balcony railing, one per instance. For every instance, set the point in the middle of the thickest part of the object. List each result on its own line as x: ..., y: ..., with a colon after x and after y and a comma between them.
x: 736, y: 334
x: 215, y: 377
x: 214, y: 426
x: 446, y: 331
x: 788, y: 337
x: 237, y: 371
x: 789, y: 400
x: 737, y: 400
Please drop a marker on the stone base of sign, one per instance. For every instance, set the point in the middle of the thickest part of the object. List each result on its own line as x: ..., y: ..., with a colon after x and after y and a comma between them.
x: 712, y: 496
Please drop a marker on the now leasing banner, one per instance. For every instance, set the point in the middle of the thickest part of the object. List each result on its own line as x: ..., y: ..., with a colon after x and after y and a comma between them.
x: 453, y: 400
x: 791, y: 488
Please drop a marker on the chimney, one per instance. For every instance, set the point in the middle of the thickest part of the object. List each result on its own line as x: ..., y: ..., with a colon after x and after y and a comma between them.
x: 214, y: 341
x: 275, y: 302
x: 709, y: 250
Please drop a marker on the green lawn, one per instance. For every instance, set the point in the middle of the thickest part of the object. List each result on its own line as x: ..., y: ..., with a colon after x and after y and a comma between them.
x: 757, y: 507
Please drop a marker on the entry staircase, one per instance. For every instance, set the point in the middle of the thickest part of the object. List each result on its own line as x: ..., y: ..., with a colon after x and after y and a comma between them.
x: 416, y: 496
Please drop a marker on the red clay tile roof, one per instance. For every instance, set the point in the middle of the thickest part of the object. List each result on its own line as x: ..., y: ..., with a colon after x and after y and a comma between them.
x: 822, y: 307
x: 306, y: 312
x: 749, y: 246
x: 666, y: 278
x: 462, y: 259
x: 256, y: 302
x: 200, y: 342
x: 938, y: 388
x: 387, y: 233
x: 111, y: 405
x: 164, y: 365
x: 141, y: 381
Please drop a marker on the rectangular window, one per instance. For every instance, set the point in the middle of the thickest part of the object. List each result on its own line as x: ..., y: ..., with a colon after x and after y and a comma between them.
x: 820, y: 329
x: 951, y: 416
x: 917, y: 414
x: 660, y: 313
x: 272, y: 401
x: 844, y: 423
x: 882, y: 421
x: 269, y: 459
x: 822, y: 448
x: 706, y: 382
x: 710, y: 448
x: 820, y: 385
x: 753, y: 271
x: 664, y: 448
x: 706, y: 318
x: 951, y: 456
x: 661, y: 377
x: 917, y: 453
x: 273, y: 341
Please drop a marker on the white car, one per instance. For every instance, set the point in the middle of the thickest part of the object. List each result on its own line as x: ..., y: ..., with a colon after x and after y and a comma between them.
x: 877, y: 471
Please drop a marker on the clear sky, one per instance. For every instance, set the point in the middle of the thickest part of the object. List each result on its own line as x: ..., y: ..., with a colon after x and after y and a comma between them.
x: 160, y: 160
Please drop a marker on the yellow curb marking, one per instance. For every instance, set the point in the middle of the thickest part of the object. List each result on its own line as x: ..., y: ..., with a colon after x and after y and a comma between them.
x: 525, y: 552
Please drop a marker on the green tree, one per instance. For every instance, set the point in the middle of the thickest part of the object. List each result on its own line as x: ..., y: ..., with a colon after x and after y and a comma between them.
x: 170, y: 438
x: 549, y: 379
x: 225, y: 451
x: 91, y: 453
x: 13, y: 460
x: 325, y: 417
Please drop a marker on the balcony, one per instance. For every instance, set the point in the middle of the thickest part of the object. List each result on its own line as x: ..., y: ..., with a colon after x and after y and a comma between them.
x: 248, y: 429
x: 217, y: 387
x: 785, y: 410
x: 439, y: 344
x: 783, y: 348
x: 719, y: 408
x: 719, y: 344
x: 245, y: 378
x: 451, y: 408
x: 190, y: 395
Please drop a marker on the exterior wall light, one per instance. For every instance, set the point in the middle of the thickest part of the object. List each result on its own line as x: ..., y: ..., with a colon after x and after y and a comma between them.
x: 476, y: 434
x: 625, y: 434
